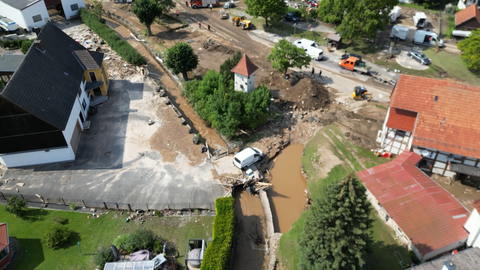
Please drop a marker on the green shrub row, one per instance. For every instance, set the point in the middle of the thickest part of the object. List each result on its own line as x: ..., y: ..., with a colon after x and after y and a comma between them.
x: 16, y: 44
x: 123, y: 48
x: 138, y: 240
x: 217, y: 255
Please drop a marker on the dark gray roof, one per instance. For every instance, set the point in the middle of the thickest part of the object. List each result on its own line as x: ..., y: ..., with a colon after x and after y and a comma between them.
x: 87, y: 60
x: 468, y: 259
x: 10, y: 62
x: 47, y: 82
x: 20, y: 4
x: 98, y: 57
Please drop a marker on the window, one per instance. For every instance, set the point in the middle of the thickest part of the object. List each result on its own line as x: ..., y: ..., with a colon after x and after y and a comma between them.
x: 400, y: 231
x: 84, y: 104
x: 74, y: 7
x: 93, y: 78
x: 37, y: 18
x: 3, y: 253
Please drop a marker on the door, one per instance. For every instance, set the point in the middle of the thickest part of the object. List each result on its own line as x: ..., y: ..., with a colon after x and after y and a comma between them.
x: 76, y: 137
x: 93, y: 78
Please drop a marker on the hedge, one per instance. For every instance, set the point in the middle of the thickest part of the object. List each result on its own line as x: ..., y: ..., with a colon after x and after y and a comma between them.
x: 217, y: 255
x: 123, y: 48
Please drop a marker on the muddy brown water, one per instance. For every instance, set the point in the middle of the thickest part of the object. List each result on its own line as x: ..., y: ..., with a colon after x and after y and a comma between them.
x: 287, y: 194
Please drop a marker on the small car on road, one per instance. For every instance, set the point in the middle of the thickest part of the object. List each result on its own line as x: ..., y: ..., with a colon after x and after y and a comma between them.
x: 290, y: 17
x: 229, y: 5
x: 420, y: 57
x: 223, y: 15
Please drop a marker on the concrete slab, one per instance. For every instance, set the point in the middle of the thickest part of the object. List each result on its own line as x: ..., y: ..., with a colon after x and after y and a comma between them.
x: 225, y: 165
x: 115, y: 163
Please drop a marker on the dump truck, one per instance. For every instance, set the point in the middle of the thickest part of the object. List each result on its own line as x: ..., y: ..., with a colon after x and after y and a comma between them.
x: 203, y: 3
x: 354, y: 64
x: 242, y: 21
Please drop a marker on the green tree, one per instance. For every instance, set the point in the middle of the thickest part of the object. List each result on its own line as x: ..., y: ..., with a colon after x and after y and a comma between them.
x: 147, y: 11
x: 357, y: 18
x: 55, y: 236
x: 16, y: 206
x: 26, y: 44
x: 181, y: 59
x: 256, y: 107
x: 286, y: 55
x: 225, y: 68
x: 104, y: 255
x: 97, y: 9
x: 337, y: 232
x: 268, y: 9
x: 470, y: 48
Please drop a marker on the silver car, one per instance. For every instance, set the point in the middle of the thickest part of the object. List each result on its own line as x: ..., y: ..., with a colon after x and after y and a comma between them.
x: 420, y: 57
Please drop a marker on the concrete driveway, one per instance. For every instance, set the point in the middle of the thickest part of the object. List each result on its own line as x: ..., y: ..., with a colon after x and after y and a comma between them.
x: 115, y: 163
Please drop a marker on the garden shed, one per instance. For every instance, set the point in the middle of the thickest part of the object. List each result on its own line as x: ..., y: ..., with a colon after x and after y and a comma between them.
x: 334, y: 41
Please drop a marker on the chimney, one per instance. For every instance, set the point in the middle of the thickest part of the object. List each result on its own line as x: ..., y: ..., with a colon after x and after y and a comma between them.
x: 448, y: 265
x: 37, y: 44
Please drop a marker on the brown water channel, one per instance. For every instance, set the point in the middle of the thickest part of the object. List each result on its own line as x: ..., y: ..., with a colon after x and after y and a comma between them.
x: 287, y: 195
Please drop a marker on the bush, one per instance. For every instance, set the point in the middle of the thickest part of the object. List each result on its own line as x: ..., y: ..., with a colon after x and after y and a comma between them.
x: 55, y: 236
x: 60, y: 220
x: 142, y: 239
x: 16, y: 206
x: 26, y: 44
x: 158, y: 247
x: 295, y: 12
x: 73, y: 207
x: 217, y: 255
x: 123, y: 48
x: 104, y: 255
x: 121, y: 242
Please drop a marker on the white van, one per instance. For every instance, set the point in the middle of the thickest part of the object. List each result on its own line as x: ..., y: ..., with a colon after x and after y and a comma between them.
x: 427, y: 38
x: 311, y: 48
x: 247, y: 157
x: 8, y: 25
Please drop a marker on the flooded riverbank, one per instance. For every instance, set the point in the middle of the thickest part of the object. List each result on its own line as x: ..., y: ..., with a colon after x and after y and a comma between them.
x: 287, y: 195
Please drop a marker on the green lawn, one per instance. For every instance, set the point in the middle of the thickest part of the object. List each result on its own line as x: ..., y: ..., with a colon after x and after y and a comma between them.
x: 384, y: 245
x: 92, y: 233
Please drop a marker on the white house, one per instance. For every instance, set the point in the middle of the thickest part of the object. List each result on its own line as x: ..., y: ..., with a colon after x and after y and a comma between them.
x: 245, y: 75
x: 45, y: 103
x: 433, y: 118
x: 473, y: 226
x: 26, y: 13
x: 71, y: 7
x: 424, y: 216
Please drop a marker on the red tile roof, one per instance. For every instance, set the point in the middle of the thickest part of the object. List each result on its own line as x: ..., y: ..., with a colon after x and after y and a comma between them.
x: 448, y: 124
x: 466, y: 14
x: 245, y: 67
x: 430, y: 216
x: 476, y: 205
x: 401, y: 119
x: 3, y: 235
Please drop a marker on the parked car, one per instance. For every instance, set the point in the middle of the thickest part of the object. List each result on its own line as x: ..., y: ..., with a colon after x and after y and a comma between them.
x: 420, y: 57
x: 229, y: 5
x: 312, y: 3
x: 223, y: 15
x: 289, y: 17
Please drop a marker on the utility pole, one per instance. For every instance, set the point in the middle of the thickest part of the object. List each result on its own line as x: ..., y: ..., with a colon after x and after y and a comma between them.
x: 440, y: 28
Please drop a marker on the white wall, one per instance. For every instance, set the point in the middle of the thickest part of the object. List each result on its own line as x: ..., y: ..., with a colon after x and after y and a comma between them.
x: 247, y: 82
x: 13, y: 14
x: 38, y: 157
x: 444, y: 249
x: 72, y: 120
x: 35, y: 9
x: 66, y: 4
x: 473, y: 227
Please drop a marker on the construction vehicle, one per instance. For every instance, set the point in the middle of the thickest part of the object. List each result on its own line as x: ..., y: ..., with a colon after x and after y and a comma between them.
x: 241, y: 20
x: 354, y: 63
x: 361, y: 93
x: 203, y: 3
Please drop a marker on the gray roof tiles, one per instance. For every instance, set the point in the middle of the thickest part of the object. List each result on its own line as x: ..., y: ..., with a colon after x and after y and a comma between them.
x: 19, y: 4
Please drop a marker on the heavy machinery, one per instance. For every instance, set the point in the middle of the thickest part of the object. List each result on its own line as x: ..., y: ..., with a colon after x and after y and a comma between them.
x: 361, y: 93
x: 241, y: 20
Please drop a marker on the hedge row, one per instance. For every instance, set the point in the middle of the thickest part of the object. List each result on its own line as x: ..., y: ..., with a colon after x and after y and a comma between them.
x: 16, y: 44
x: 123, y: 48
x: 217, y: 255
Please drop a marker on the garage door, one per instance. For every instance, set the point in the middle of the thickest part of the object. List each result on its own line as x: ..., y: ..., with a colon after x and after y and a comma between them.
x: 76, y: 137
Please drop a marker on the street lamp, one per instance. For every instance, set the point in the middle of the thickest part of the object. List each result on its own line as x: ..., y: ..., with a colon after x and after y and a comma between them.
x: 294, y: 28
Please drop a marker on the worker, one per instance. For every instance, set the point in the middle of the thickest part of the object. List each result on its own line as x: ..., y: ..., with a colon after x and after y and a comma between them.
x: 210, y: 7
x: 208, y: 26
x: 320, y: 73
x: 186, y: 3
x: 309, y: 27
x: 199, y: 25
x: 313, y: 71
x: 177, y: 13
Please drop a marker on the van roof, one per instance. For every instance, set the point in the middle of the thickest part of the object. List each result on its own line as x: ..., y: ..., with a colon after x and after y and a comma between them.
x: 246, y: 153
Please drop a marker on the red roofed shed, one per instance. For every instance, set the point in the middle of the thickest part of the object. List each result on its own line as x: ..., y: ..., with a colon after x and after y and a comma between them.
x: 468, y: 19
x: 423, y: 214
x: 5, y: 249
x: 244, y: 75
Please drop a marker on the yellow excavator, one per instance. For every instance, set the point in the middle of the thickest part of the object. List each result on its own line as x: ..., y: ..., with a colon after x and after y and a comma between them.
x: 241, y: 20
x: 361, y: 93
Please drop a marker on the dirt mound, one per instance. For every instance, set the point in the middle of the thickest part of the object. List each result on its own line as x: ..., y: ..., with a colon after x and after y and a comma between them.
x: 299, y: 90
x: 220, y: 48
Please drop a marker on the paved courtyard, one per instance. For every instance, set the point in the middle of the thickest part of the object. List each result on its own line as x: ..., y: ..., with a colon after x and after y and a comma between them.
x: 116, y: 164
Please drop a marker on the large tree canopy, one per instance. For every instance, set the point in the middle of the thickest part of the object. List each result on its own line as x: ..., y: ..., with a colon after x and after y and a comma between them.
x: 470, y: 48
x: 355, y: 18
x: 286, y: 55
x: 337, y: 232
x: 268, y: 9
x: 148, y: 10
x: 181, y: 59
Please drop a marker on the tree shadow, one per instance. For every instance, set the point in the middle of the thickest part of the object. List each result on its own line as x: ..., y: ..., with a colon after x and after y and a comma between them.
x: 387, y: 256
x: 30, y: 254
x: 72, y: 240
x: 33, y: 215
